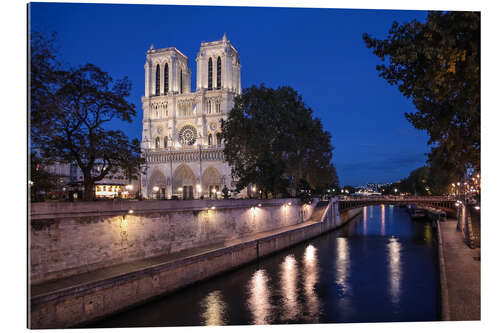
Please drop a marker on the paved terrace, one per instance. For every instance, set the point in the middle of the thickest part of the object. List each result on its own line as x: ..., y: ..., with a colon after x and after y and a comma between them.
x: 460, y: 274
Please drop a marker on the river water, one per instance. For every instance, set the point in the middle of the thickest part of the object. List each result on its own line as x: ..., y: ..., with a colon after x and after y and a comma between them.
x: 381, y: 266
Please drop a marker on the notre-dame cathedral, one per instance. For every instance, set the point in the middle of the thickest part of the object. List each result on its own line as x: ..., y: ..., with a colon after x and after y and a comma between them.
x: 181, y: 138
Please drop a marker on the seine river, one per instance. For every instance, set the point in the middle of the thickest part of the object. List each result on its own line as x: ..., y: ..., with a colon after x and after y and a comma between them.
x: 381, y: 266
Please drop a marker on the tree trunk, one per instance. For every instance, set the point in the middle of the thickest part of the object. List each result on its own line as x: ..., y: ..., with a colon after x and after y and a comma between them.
x: 88, y: 191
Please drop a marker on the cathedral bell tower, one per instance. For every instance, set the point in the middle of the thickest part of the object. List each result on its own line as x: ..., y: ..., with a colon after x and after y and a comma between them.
x: 218, y: 67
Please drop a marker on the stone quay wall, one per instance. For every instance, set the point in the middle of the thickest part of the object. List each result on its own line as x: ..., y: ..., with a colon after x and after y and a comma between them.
x: 81, y: 304
x: 72, y: 238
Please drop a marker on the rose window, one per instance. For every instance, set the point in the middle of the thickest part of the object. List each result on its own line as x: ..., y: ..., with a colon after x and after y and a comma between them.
x: 187, y: 135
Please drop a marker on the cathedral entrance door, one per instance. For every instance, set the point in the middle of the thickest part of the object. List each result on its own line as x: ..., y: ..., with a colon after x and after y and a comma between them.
x: 187, y: 192
x: 212, y: 190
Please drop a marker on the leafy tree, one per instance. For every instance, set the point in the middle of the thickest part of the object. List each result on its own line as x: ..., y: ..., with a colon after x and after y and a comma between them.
x: 69, y: 113
x: 273, y: 141
x: 436, y: 64
x: 417, y: 182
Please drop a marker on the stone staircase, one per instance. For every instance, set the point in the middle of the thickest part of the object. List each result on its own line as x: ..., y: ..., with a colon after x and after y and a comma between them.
x: 319, y: 210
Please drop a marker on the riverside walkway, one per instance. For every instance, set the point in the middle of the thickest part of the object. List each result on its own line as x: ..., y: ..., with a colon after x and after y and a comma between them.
x: 460, y: 274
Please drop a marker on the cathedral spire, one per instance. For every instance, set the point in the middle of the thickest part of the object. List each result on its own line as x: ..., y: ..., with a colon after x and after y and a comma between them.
x: 224, y: 38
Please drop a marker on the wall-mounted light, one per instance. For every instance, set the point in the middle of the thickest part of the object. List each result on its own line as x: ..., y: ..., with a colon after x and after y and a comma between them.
x: 213, y: 207
x: 260, y: 205
x: 289, y: 203
x: 131, y: 211
x: 477, y: 208
x: 156, y: 188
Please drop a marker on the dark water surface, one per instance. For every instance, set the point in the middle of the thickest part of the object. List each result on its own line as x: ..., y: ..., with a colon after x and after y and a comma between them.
x: 381, y: 266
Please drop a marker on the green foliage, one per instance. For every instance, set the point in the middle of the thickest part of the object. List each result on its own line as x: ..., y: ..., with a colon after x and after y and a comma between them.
x: 417, y: 182
x: 436, y: 64
x: 68, y: 121
x: 273, y: 141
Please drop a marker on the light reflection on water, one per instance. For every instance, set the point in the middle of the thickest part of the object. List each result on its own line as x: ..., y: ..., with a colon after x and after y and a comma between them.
x: 214, y: 309
x: 364, y: 220
x: 289, y: 274
x: 311, y: 276
x: 259, y: 302
x: 342, y: 263
x: 395, y: 272
x: 382, y: 216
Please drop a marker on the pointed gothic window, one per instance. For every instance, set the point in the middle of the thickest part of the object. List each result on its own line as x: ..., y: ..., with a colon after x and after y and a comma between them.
x: 157, y: 143
x: 165, y: 79
x: 157, y: 88
x: 219, y: 139
x: 219, y: 68
x: 210, y: 139
x: 165, y: 142
x: 210, y: 74
x: 181, y: 82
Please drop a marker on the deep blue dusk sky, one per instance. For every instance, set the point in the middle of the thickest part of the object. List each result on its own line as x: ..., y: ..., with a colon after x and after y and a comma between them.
x: 318, y: 52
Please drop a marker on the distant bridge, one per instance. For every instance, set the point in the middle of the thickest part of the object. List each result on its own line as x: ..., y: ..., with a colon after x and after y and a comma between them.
x: 444, y: 203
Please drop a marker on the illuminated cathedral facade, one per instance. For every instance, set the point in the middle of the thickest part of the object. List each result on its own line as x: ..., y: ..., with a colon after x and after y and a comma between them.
x: 181, y: 135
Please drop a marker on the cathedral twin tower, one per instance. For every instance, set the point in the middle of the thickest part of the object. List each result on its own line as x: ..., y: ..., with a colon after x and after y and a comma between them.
x: 181, y: 138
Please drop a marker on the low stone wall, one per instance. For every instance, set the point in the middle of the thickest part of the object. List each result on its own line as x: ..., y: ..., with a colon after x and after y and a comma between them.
x: 80, y: 304
x: 72, y: 238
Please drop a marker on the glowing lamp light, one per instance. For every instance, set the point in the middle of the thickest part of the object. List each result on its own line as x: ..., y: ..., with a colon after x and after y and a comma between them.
x: 453, y: 184
x: 254, y: 189
x: 214, y: 190
x: 129, y: 187
x: 260, y: 205
x: 213, y: 207
x: 289, y: 203
x: 130, y: 211
x: 179, y: 189
x: 458, y: 184
x: 156, y: 188
x: 198, y: 187
x: 457, y: 204
x: 477, y: 208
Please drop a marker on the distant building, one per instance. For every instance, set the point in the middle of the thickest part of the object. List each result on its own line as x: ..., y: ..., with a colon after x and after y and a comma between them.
x: 70, y: 182
x: 181, y: 136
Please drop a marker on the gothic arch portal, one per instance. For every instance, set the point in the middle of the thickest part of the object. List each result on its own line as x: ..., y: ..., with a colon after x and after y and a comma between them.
x: 211, y: 179
x: 183, y: 176
x: 157, y: 178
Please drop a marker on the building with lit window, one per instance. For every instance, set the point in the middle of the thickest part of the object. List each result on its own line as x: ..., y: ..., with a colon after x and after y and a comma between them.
x: 181, y: 136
